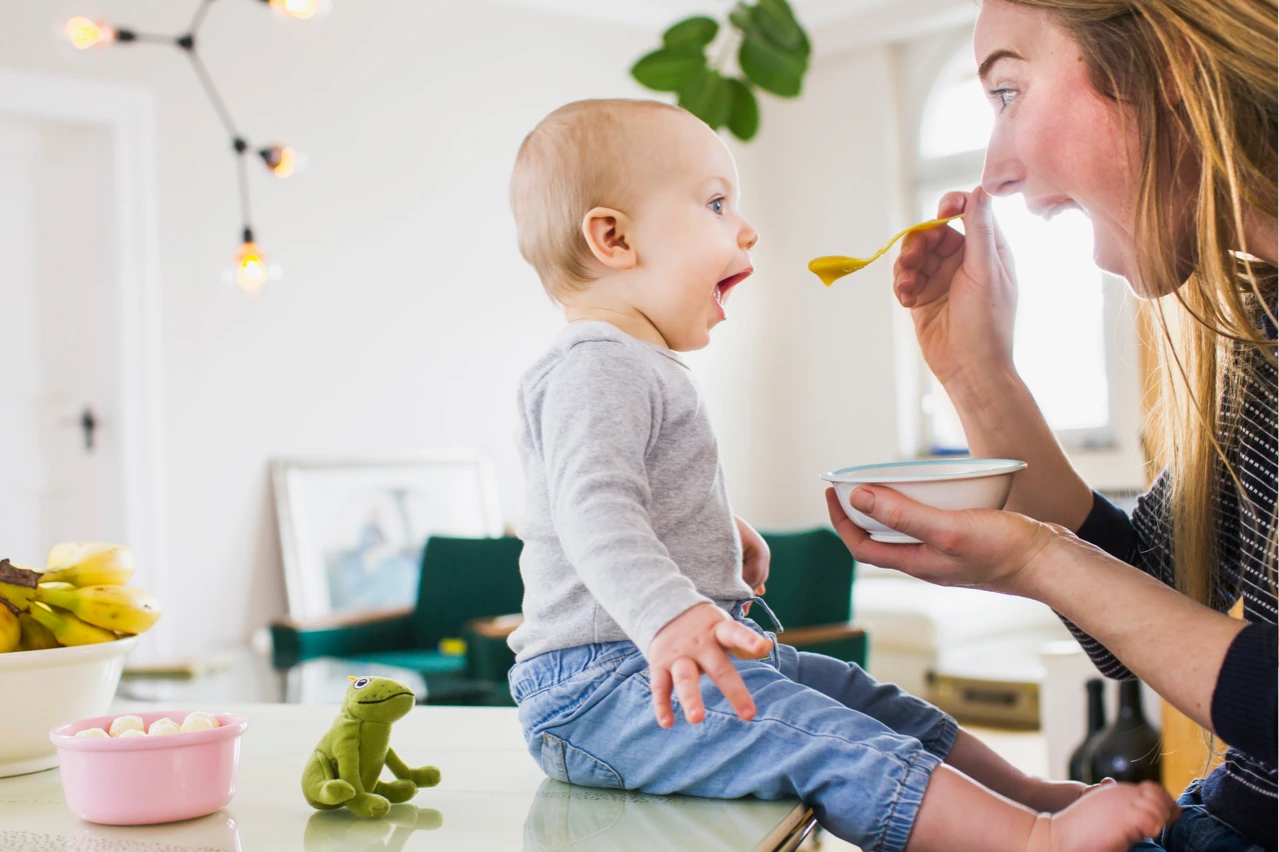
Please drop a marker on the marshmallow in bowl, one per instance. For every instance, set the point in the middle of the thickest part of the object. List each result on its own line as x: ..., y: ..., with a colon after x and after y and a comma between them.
x: 160, y: 727
x: 199, y: 721
x: 93, y: 733
x: 132, y: 732
x: 126, y: 723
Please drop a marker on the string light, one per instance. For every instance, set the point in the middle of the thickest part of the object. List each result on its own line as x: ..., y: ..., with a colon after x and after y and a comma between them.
x: 250, y: 266
x: 251, y: 270
x: 84, y: 34
x: 281, y: 160
x: 300, y: 9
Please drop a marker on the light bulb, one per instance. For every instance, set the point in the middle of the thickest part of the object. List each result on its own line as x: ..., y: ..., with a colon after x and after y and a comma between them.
x: 250, y: 268
x: 84, y: 34
x: 300, y: 9
x: 281, y: 160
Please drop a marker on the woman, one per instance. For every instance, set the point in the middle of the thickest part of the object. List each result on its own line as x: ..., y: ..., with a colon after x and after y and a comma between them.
x: 1158, y: 119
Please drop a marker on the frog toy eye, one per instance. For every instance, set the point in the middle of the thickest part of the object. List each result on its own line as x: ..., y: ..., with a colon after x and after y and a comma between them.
x: 360, y: 683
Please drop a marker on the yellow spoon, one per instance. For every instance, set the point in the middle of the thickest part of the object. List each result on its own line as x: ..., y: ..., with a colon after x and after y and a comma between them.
x: 831, y: 269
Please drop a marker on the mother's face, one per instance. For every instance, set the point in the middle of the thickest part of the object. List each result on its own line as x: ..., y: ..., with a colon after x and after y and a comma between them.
x: 1056, y: 139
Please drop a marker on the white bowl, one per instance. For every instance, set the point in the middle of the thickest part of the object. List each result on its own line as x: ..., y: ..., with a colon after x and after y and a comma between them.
x: 40, y: 690
x: 944, y: 483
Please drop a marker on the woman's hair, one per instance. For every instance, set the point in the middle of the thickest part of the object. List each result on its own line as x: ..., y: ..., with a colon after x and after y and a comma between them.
x: 1199, y: 78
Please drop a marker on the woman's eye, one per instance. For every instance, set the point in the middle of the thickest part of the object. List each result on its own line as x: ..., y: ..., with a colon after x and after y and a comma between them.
x: 1004, y: 96
x: 717, y: 206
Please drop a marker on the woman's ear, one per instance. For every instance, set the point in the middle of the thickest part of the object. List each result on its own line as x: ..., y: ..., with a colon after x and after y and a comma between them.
x: 607, y: 234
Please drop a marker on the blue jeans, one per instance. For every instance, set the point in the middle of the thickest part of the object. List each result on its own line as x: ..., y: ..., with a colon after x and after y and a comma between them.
x: 858, y: 752
x: 1196, y: 830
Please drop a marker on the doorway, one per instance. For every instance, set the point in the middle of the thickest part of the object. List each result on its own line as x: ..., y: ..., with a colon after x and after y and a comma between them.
x: 81, y: 438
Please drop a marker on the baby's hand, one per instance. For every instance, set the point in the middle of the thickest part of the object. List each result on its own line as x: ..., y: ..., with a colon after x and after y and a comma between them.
x: 755, y: 556
x: 693, y: 643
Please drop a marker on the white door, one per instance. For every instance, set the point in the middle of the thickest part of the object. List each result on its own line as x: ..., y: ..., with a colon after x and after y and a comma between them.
x: 61, y: 472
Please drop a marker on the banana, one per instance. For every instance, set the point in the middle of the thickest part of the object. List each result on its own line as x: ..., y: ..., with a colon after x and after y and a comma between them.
x: 122, y: 608
x: 68, y: 629
x: 89, y: 564
x: 56, y: 586
x: 35, y: 636
x: 10, y: 630
x: 17, y: 584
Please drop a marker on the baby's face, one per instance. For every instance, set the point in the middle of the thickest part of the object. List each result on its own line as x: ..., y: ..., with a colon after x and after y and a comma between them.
x: 693, y: 244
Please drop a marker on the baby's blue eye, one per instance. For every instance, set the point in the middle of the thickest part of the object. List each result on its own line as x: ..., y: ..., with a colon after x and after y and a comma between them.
x: 717, y: 206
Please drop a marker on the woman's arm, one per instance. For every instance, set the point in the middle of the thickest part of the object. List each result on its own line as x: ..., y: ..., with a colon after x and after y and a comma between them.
x: 962, y: 295
x: 1171, y: 642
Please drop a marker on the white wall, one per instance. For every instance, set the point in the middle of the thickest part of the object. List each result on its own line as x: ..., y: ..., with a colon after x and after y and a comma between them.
x: 406, y: 315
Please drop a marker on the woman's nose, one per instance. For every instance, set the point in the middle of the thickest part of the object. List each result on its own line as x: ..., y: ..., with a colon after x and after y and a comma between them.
x: 747, y: 237
x: 1003, y: 172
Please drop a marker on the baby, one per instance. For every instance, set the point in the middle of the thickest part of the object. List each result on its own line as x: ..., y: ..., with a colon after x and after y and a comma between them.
x: 637, y: 573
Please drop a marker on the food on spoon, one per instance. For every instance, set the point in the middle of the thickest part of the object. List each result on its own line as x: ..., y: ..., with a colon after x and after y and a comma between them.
x: 834, y: 267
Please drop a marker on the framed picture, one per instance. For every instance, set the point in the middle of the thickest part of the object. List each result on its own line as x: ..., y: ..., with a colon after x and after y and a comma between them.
x: 352, y: 531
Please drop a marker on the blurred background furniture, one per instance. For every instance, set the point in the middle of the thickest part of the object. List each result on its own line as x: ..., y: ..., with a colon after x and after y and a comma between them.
x: 462, y: 579
x: 455, y: 638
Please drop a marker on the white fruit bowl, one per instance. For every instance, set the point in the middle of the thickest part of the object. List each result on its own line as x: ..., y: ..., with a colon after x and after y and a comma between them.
x: 944, y: 483
x: 40, y: 690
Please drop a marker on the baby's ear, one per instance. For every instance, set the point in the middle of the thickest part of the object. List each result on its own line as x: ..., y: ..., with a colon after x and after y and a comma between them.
x: 607, y: 233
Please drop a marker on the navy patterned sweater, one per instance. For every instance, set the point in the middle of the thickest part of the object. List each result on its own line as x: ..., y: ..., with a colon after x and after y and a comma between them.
x: 1242, y: 790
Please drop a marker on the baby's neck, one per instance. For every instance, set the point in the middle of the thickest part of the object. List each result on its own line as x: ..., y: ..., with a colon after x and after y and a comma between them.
x: 627, y: 319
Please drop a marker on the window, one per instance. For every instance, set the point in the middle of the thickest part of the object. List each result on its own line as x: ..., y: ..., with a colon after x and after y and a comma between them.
x: 1065, y: 305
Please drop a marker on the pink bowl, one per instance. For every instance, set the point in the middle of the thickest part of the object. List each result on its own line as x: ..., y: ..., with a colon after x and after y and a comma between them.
x: 142, y: 780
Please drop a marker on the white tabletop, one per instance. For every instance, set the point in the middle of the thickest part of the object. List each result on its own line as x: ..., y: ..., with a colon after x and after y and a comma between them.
x: 492, y: 797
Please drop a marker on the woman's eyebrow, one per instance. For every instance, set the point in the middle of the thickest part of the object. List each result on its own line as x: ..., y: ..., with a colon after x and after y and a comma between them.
x: 994, y: 57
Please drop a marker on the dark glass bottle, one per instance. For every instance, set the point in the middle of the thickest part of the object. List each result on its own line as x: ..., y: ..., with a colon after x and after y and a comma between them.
x: 1128, y: 749
x: 1080, y: 768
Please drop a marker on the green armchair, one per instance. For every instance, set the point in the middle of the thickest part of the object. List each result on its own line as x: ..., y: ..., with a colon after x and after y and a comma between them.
x: 463, y: 579
x: 810, y: 585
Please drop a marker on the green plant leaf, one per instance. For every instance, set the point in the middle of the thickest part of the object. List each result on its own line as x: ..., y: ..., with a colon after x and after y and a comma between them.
x: 668, y: 69
x: 770, y: 67
x: 776, y: 21
x: 707, y: 96
x: 696, y: 32
x: 743, y: 116
x: 740, y: 17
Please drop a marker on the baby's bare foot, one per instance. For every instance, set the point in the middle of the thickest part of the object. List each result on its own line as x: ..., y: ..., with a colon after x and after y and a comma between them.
x: 1109, y: 817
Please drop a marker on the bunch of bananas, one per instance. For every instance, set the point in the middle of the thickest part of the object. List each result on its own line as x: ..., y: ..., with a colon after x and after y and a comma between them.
x: 81, y: 598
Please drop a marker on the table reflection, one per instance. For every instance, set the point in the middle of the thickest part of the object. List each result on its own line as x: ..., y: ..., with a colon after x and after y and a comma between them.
x: 565, y: 816
x: 342, y: 831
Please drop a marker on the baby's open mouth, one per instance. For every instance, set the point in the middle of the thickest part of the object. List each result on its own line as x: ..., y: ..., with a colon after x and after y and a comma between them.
x: 722, y: 288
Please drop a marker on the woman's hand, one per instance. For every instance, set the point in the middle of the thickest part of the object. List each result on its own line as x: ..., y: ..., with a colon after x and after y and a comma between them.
x: 961, y: 291
x: 981, y: 548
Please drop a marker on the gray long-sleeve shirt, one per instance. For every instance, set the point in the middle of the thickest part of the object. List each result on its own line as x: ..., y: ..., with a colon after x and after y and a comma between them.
x: 627, y: 522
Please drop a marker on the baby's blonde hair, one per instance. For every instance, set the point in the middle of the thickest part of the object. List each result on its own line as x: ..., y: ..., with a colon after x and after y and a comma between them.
x: 574, y: 160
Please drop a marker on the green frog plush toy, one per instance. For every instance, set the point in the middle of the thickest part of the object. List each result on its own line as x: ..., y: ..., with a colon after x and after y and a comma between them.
x: 346, y: 765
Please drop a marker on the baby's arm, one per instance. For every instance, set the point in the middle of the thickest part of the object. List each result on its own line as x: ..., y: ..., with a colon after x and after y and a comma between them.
x: 600, y: 412
x: 755, y: 556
